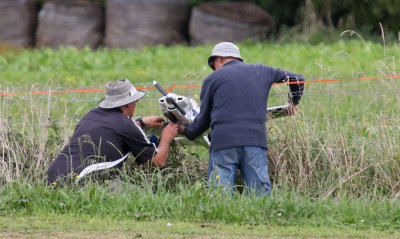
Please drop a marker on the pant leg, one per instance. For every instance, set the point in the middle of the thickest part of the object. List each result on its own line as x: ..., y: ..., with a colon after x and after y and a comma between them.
x: 254, y: 168
x: 222, y: 168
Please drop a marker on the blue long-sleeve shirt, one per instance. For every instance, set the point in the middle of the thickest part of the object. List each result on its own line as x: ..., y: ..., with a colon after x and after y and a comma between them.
x: 234, y: 104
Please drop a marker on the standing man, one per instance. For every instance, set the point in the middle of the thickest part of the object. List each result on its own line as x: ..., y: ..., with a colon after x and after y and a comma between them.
x: 104, y: 137
x: 234, y: 103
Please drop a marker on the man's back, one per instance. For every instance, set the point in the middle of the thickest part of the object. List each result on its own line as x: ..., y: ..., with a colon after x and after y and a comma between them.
x: 234, y: 103
x: 239, y: 104
x: 102, y: 135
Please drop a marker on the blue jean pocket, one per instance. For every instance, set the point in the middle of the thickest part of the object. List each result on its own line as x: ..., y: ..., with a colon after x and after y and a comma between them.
x: 257, y: 157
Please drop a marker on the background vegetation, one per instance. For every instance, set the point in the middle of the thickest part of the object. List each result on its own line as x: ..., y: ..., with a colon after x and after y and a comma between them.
x: 343, y: 15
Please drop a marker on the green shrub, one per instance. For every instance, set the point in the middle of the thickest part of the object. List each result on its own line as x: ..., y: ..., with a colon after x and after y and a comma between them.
x: 362, y: 15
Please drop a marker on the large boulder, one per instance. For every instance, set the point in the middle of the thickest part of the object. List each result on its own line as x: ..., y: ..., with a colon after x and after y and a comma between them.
x: 70, y: 23
x: 138, y: 23
x: 213, y: 22
x: 17, y: 22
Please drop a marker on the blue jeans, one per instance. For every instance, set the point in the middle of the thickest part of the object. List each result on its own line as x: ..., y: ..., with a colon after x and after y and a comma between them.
x: 252, y: 162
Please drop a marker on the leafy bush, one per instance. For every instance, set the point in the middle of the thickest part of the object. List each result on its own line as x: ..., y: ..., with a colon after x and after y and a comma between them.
x: 360, y: 14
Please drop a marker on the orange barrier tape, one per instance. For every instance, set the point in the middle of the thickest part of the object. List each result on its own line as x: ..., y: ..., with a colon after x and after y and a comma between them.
x: 52, y: 92
x: 168, y: 89
x: 329, y: 80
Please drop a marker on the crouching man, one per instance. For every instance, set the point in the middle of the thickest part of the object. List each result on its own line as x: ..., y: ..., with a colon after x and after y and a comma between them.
x: 103, y: 138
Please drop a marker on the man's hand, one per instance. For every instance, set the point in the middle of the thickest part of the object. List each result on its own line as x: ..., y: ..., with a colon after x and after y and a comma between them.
x: 292, y: 110
x: 167, y: 135
x: 169, y: 132
x: 152, y: 121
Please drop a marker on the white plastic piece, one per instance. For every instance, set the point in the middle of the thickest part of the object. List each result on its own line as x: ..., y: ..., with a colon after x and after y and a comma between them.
x: 190, y: 107
x: 100, y: 166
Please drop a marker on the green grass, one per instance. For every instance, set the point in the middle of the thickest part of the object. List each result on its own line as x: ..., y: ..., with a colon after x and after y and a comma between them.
x: 69, y: 67
x: 195, y: 203
x: 64, y: 226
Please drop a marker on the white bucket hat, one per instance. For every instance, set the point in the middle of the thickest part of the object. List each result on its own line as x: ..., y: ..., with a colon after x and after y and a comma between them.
x: 224, y: 49
x: 120, y: 93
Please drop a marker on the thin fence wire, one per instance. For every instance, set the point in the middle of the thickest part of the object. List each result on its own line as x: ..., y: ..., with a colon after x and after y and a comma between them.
x: 193, y: 87
x: 322, y: 96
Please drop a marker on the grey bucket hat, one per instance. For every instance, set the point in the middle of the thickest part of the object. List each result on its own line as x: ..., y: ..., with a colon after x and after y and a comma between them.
x: 120, y: 93
x: 224, y: 49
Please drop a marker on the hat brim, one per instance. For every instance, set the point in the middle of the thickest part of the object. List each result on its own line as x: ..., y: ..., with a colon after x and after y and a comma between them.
x: 109, y: 104
x: 211, y: 61
x: 212, y: 58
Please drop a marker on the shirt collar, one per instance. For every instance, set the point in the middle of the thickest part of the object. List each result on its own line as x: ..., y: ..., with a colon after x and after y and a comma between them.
x: 117, y: 109
x: 233, y: 62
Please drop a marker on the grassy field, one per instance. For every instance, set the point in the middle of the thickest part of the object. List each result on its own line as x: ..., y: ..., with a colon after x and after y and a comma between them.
x: 56, y: 226
x: 335, y: 165
x: 72, y: 68
x: 93, y: 206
